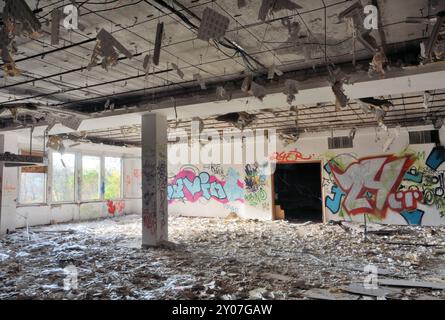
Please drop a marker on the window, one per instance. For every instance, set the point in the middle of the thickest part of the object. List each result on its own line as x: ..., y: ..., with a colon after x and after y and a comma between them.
x: 90, y: 188
x: 63, y: 177
x: 424, y: 137
x: 340, y: 142
x: 32, y: 183
x: 112, y: 178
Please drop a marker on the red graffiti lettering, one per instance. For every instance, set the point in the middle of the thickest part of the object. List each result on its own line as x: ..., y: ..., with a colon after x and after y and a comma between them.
x: 289, y: 156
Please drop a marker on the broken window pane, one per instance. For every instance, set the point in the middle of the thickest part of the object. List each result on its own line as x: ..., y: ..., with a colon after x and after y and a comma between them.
x: 32, y: 182
x: 112, y: 178
x: 32, y: 186
x: 63, y: 177
x: 90, y: 187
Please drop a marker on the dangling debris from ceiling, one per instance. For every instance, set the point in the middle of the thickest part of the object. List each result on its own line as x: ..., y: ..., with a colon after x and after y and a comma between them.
x: 382, y: 103
x: 337, y: 78
x: 239, y: 120
x: 434, y: 48
x: 106, y: 46
x: 364, y: 106
x: 378, y: 64
x: 222, y: 93
x: 108, y: 105
x: 198, y: 77
x: 178, y: 71
x: 213, y: 25
x: 377, y: 106
x: 158, y: 43
x: 148, y: 61
x: 391, y: 138
x: 257, y: 91
x: 352, y: 133
x: 18, y: 20
x: 253, y: 88
x: 290, y: 90
x: 289, y: 136
x: 56, y: 143
x: 437, y: 122
x: 18, y: 16
x: 273, y: 70
x: 72, y: 122
x: 270, y: 6
x: 247, y: 82
x: 427, y: 100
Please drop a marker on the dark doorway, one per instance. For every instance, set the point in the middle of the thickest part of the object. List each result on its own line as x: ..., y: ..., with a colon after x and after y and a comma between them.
x: 298, y: 191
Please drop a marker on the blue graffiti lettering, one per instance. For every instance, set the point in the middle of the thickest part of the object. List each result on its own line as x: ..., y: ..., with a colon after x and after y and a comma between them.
x: 413, y: 175
x: 334, y: 203
x: 436, y: 158
x: 413, y: 217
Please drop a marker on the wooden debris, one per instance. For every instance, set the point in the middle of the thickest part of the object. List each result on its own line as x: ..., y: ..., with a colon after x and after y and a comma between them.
x: 411, y: 284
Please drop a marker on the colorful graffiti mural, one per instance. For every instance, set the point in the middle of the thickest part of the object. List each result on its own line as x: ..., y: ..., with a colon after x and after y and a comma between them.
x: 256, y: 181
x: 192, y: 185
x: 370, y: 183
x: 391, y: 183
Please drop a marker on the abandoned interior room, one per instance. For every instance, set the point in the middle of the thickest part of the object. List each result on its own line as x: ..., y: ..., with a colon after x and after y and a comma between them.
x: 222, y: 150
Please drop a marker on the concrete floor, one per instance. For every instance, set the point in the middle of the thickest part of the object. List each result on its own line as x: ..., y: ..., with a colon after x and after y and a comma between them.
x: 217, y: 258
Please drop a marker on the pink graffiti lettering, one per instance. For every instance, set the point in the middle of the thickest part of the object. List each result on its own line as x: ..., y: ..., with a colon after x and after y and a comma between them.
x: 187, y: 185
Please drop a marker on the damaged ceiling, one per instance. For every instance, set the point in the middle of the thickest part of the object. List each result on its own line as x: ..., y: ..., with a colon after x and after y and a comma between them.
x: 133, y: 53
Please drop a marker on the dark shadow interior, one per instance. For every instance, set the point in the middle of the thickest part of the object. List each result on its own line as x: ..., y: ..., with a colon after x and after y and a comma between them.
x: 298, y: 191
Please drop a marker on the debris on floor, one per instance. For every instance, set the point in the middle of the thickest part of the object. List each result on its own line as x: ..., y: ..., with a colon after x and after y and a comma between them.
x: 218, y: 258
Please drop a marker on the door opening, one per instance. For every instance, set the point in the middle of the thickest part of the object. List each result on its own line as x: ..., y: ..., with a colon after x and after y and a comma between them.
x: 298, y: 191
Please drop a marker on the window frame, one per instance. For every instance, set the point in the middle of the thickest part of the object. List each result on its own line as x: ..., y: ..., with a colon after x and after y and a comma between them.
x: 75, y: 194
x: 19, y: 186
x: 80, y: 177
x: 121, y: 186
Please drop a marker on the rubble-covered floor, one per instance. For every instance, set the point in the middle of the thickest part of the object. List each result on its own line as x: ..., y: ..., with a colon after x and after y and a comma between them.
x: 219, y: 259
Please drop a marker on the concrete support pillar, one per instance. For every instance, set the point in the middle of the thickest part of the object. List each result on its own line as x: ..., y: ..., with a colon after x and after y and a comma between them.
x: 154, y: 180
x: 8, y: 183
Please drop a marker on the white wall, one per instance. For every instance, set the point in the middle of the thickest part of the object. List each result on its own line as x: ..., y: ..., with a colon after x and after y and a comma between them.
x: 52, y: 212
x: 368, y: 143
x: 247, y: 189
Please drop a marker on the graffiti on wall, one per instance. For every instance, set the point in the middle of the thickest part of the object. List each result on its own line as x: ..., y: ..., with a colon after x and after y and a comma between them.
x: 370, y: 184
x: 190, y: 184
x: 133, y: 182
x: 114, y: 207
x: 290, y: 156
x: 256, y: 181
x: 377, y: 185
